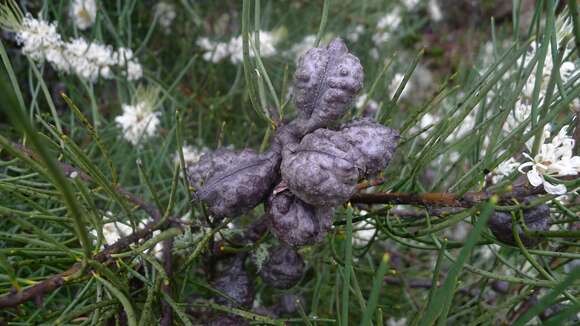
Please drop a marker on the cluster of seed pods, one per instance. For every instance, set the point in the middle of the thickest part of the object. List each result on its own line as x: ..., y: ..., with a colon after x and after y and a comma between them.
x: 309, y: 170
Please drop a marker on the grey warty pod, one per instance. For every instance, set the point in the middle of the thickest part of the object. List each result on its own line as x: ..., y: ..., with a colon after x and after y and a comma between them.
x: 236, y: 284
x: 297, y: 223
x: 234, y: 182
x: 325, y: 82
x: 536, y: 219
x: 321, y: 169
x: 374, y: 143
x: 283, y: 269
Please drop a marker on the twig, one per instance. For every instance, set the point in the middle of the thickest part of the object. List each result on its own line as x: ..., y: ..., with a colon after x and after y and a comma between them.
x: 56, y: 281
x: 446, y: 199
x: 166, y: 310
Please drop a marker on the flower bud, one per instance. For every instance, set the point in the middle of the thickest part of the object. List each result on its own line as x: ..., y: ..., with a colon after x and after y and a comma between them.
x: 297, y: 223
x: 535, y: 218
x: 325, y: 82
x: 283, y: 269
x: 321, y: 169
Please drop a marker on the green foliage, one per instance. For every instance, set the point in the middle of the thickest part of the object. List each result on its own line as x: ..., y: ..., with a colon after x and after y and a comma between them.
x: 81, y: 177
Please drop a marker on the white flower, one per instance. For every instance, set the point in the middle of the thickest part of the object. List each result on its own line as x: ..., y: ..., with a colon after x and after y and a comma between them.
x: 392, y: 20
x: 410, y: 4
x: 166, y: 13
x: 218, y: 51
x: 138, y: 121
x: 374, y: 53
x: 190, y: 154
x: 114, y: 231
x: 89, y: 60
x: 394, y: 322
x: 554, y: 159
x: 568, y: 70
x: 354, y: 34
x: 363, y: 233
x: 83, y: 13
x: 37, y: 37
x: 268, y: 42
x: 434, y: 11
x: 360, y: 101
x: 504, y: 169
x: 214, y: 51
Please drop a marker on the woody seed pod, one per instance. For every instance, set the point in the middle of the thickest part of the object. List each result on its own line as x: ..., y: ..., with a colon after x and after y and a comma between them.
x: 374, y: 143
x: 321, y: 169
x: 536, y: 219
x: 325, y: 82
x: 236, y: 284
x: 283, y: 269
x: 235, y: 182
x: 297, y: 223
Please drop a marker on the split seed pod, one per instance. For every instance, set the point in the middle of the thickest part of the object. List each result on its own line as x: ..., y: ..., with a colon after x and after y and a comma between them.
x: 536, y: 219
x: 283, y: 269
x: 374, y: 142
x: 297, y: 223
x: 236, y: 181
x: 325, y: 82
x: 321, y: 169
x: 236, y: 284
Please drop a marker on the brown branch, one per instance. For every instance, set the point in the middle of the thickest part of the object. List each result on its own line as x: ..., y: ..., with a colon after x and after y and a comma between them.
x: 166, y: 310
x: 56, y: 281
x: 52, y: 283
x: 446, y: 199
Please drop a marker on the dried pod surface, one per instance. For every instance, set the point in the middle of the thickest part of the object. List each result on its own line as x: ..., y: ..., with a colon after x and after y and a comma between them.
x: 236, y: 284
x: 297, y: 223
x: 234, y: 189
x: 212, y: 163
x: 536, y: 219
x: 283, y: 269
x: 325, y: 82
x: 374, y: 143
x: 321, y: 169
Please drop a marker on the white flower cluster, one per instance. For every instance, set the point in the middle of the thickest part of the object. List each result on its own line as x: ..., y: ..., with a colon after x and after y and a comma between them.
x: 554, y: 159
x: 114, y: 231
x: 41, y: 42
x: 138, y: 121
x: 233, y: 49
x: 386, y: 25
x: 191, y: 154
x: 434, y: 11
x: 354, y: 34
x: 166, y: 13
x: 83, y: 13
